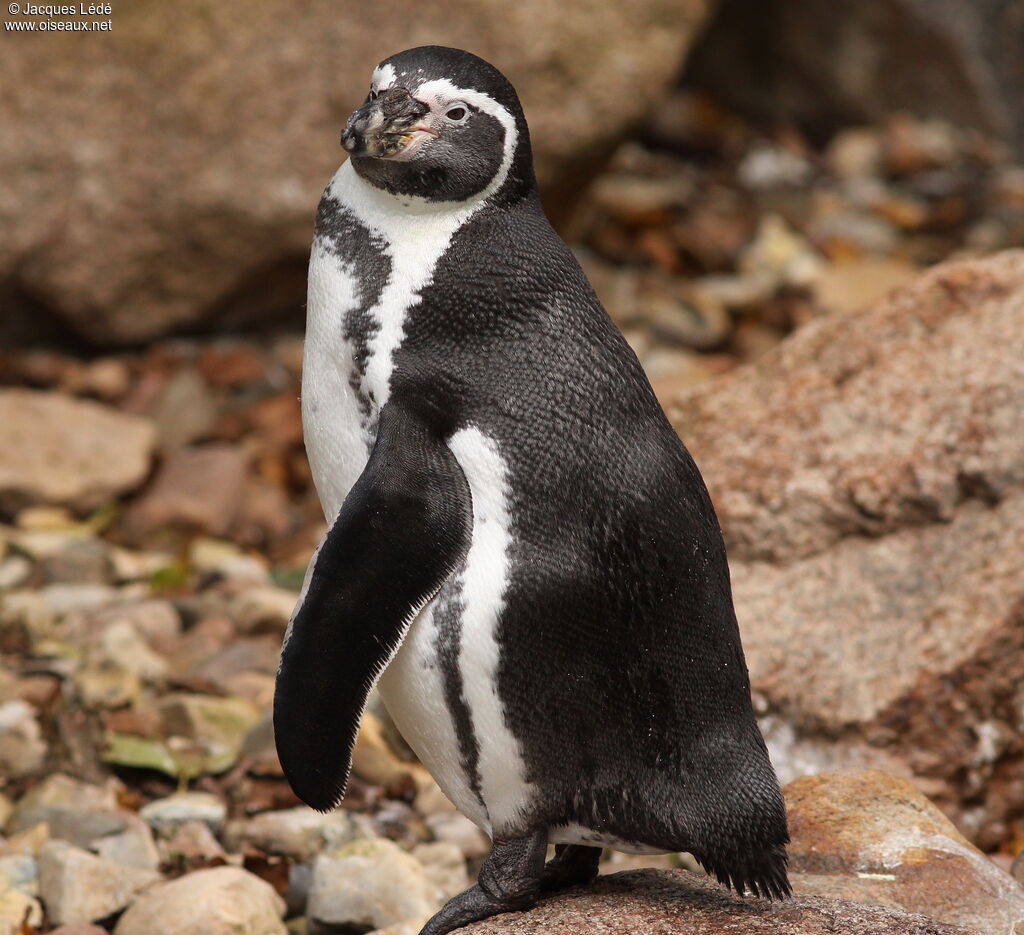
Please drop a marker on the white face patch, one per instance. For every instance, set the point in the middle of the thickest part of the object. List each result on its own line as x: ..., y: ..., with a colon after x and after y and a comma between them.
x: 383, y: 78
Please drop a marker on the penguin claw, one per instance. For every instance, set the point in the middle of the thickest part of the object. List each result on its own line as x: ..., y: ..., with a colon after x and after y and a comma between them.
x: 572, y: 865
x: 510, y: 881
x: 472, y: 905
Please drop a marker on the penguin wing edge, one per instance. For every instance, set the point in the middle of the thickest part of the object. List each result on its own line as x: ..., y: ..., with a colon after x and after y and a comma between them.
x: 402, y: 530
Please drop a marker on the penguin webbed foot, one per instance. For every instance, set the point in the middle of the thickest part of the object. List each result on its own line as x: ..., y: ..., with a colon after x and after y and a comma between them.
x: 572, y: 865
x: 509, y: 881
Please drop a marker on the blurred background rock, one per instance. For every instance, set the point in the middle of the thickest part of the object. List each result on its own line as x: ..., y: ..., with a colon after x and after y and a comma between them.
x: 807, y: 220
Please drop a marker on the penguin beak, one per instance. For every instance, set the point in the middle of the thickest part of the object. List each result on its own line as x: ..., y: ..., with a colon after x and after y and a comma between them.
x: 386, y: 125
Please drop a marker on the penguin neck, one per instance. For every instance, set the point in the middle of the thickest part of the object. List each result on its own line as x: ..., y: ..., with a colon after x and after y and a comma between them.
x: 369, y: 200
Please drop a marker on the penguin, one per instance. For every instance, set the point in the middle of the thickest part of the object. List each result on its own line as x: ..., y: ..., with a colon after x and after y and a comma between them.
x: 521, y: 555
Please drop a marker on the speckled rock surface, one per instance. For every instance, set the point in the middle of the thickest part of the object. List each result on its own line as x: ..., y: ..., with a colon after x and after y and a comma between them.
x: 873, y: 838
x: 869, y: 476
x: 190, y: 183
x: 666, y: 902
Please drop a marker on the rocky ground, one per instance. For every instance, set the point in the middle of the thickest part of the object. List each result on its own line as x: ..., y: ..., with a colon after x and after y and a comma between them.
x: 157, y: 515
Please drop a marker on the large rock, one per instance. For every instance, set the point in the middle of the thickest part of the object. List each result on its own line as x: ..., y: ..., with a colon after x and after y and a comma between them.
x: 869, y: 477
x: 824, y: 64
x: 59, y: 450
x: 188, y: 188
x: 219, y: 901
x: 667, y: 902
x: 873, y: 838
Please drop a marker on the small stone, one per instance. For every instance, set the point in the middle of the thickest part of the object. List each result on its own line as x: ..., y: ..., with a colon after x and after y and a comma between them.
x: 17, y: 911
x: 77, y: 886
x: 22, y: 748
x: 108, y: 378
x: 299, y: 832
x: 166, y: 816
x: 263, y: 607
x: 130, y: 565
x: 766, y: 166
x: 196, y: 490
x: 781, y: 253
x: 81, y: 561
x: 185, y: 411
x: 14, y: 572
x: 29, y: 842
x: 369, y: 884
x: 59, y: 789
x: 445, y: 865
x: 217, y: 725
x: 855, y: 153
x: 122, y: 646
x: 19, y: 872
x: 374, y: 761
x: 133, y: 847
x: 64, y: 599
x: 59, y: 450
x: 76, y: 825
x: 190, y: 843
x: 217, y: 901
x: 103, y: 689
x: 215, y: 557
x: 430, y: 800
x: 459, y: 830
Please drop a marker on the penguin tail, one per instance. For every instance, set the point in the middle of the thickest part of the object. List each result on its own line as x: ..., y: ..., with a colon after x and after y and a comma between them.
x: 762, y: 874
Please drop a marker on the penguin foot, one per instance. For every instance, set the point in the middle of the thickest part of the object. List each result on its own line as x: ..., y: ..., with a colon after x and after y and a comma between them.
x: 572, y: 865
x: 509, y: 881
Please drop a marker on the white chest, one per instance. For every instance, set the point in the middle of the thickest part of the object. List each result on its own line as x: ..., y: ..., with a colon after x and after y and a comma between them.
x: 336, y: 388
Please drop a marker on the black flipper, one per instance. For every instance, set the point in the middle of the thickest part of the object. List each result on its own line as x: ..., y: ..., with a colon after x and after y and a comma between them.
x: 402, y: 530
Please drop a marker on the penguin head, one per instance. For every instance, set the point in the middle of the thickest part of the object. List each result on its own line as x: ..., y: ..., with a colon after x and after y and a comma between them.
x: 441, y: 125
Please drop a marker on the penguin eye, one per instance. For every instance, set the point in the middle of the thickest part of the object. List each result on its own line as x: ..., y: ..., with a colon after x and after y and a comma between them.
x: 457, y: 114
x: 373, y: 94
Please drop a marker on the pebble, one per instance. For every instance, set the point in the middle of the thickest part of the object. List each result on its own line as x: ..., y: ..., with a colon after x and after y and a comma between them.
x: 299, y: 833
x: 768, y: 166
x: 216, y: 557
x: 263, y: 607
x: 14, y: 572
x: 77, y: 886
x: 445, y: 866
x: 107, y: 689
x: 58, y: 450
x: 218, y: 725
x: 855, y: 153
x: 19, y: 872
x: 166, y: 816
x: 22, y: 748
x: 75, y: 824
x: 132, y: 847
x: 191, y: 842
x: 460, y: 831
x: 81, y: 561
x: 216, y: 901
x: 123, y: 647
x: 196, y: 490
x: 370, y: 884
x: 17, y: 910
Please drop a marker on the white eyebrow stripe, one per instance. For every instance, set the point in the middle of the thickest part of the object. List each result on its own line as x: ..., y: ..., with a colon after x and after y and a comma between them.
x: 383, y: 77
x: 445, y: 91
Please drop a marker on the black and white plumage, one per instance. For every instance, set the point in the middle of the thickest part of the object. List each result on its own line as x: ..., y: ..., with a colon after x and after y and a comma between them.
x: 520, y: 548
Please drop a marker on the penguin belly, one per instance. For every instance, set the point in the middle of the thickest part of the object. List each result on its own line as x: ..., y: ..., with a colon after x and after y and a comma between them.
x: 441, y: 688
